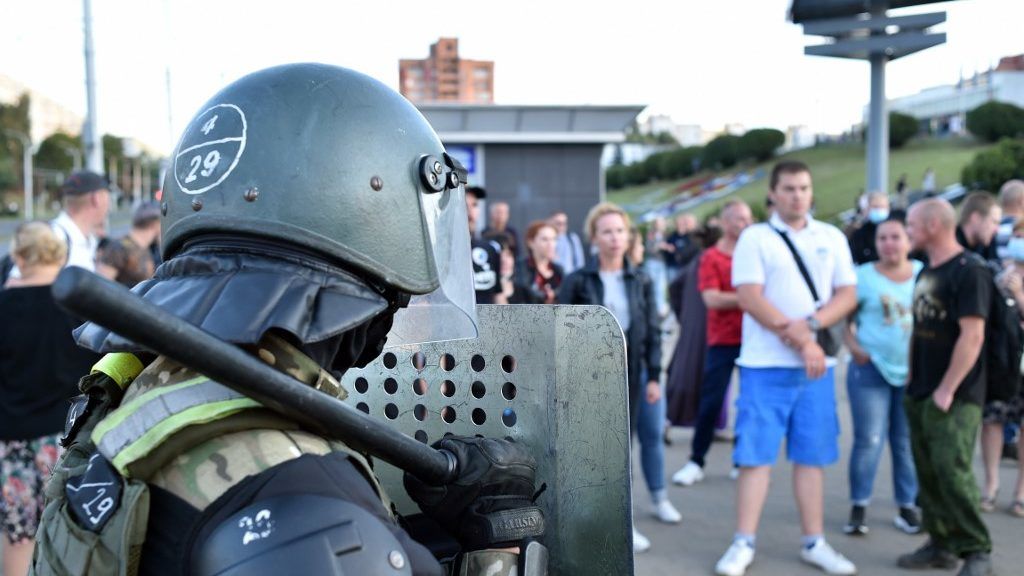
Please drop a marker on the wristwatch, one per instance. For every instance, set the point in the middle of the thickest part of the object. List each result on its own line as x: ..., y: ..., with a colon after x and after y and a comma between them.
x: 813, y: 324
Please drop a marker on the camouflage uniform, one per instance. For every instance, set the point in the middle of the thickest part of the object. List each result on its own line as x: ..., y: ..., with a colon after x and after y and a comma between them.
x: 943, y: 446
x: 240, y: 444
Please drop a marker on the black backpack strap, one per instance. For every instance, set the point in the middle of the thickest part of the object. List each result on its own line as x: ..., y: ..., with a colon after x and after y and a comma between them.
x: 800, y: 265
x: 6, y: 265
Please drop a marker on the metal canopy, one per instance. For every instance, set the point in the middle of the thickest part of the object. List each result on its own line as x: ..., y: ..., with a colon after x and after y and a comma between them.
x: 841, y: 26
x: 492, y: 124
x: 806, y: 10
x: 892, y: 47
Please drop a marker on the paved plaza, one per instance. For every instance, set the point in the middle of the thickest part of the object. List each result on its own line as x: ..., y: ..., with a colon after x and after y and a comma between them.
x: 708, y: 509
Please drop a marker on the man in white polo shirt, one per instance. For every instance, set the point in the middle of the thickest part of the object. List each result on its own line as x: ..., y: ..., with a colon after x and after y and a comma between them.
x: 82, y: 222
x: 787, y: 387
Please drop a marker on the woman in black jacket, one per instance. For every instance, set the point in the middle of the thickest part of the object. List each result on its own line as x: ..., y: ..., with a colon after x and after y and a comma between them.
x: 612, y: 281
x: 538, y: 277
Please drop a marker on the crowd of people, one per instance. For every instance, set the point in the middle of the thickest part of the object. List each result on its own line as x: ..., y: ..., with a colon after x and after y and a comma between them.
x: 912, y: 295
x: 40, y: 363
x: 907, y: 291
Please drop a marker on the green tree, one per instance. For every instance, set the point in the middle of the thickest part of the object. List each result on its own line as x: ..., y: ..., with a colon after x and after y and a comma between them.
x: 13, y: 117
x: 666, y: 138
x: 992, y: 167
x: 615, y: 177
x: 722, y: 152
x: 112, y: 147
x: 902, y: 127
x: 993, y: 121
x: 636, y: 173
x: 55, y: 152
x: 760, y: 144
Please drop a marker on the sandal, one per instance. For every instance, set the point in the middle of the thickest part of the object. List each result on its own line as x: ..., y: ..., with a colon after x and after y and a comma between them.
x: 1017, y: 509
x: 988, y: 503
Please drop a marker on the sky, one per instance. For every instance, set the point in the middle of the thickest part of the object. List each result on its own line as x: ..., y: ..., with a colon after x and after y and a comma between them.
x: 708, y: 63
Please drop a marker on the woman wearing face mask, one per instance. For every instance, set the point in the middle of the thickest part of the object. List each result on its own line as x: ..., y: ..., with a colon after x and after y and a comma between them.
x: 878, y: 336
x: 997, y: 413
x: 862, y: 240
x: 613, y: 281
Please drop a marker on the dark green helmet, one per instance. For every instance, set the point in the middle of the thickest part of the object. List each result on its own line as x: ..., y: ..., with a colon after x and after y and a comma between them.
x: 322, y: 158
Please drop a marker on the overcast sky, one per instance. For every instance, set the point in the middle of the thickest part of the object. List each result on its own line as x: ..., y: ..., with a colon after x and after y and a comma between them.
x: 709, y: 63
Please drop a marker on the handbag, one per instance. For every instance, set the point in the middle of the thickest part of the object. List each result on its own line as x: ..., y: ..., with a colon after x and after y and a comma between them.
x: 828, y: 342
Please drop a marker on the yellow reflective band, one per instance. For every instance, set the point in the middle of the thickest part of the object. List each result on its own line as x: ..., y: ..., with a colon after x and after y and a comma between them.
x: 122, y: 367
x: 125, y: 410
x: 158, y: 434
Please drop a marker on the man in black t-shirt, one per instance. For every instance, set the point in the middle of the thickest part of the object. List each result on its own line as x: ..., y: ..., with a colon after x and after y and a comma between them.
x: 486, y: 254
x: 946, y: 389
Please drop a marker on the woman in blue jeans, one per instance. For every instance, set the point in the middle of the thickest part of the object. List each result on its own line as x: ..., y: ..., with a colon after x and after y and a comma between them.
x: 877, y: 336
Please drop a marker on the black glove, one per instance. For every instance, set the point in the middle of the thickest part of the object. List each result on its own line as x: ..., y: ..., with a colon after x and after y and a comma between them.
x: 490, y: 502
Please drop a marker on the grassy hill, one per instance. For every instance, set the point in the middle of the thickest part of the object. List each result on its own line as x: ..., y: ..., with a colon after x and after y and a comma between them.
x: 839, y: 175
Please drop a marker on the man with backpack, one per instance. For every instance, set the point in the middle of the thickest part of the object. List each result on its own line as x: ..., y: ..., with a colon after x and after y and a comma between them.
x: 946, y: 390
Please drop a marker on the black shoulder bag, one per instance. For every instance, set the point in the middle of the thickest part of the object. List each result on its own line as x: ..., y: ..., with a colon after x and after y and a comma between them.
x: 828, y: 342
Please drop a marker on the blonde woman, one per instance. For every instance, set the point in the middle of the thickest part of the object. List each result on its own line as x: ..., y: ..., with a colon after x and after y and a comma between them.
x: 39, y: 370
x: 613, y: 281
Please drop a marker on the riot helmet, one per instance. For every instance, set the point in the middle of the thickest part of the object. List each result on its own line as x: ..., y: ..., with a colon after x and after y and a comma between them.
x: 321, y: 175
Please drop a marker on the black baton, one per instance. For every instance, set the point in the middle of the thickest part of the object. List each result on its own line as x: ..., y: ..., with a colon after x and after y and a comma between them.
x: 113, y: 306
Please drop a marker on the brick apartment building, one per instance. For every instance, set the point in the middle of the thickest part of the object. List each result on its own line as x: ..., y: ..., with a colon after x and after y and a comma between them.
x: 444, y: 77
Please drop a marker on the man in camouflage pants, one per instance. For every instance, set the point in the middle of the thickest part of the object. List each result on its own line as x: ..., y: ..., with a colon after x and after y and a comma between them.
x: 952, y: 299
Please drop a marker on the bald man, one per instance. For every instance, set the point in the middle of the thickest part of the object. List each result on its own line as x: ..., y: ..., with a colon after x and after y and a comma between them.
x: 946, y: 391
x: 498, y: 228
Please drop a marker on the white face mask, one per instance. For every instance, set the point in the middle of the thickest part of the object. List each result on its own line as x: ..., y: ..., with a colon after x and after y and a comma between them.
x: 1015, y: 249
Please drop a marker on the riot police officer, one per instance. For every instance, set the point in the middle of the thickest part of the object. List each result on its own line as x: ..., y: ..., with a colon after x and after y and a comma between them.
x: 311, y: 213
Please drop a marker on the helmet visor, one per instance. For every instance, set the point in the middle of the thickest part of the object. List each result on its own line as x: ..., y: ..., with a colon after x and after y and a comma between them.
x: 448, y: 313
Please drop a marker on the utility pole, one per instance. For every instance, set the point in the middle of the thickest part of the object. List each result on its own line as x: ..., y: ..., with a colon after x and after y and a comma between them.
x: 26, y: 167
x: 90, y: 137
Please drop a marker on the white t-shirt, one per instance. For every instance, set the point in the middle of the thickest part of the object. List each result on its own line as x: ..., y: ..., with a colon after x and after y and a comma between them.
x: 81, y: 248
x: 761, y: 257
x: 615, y: 298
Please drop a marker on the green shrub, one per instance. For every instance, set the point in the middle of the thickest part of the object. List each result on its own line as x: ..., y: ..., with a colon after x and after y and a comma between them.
x: 991, y: 168
x: 722, y: 152
x: 760, y: 144
x: 993, y: 121
x: 902, y: 127
x: 615, y: 177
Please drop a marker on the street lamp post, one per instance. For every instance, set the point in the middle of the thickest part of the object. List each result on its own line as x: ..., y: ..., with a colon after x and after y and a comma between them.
x: 862, y: 30
x: 26, y: 165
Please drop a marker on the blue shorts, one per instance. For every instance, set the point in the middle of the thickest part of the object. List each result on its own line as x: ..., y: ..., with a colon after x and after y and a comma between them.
x: 782, y: 402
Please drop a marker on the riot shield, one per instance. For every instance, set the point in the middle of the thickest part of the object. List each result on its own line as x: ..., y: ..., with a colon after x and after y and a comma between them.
x: 551, y: 377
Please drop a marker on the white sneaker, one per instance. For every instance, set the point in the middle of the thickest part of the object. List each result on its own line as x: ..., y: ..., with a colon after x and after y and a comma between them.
x: 825, y: 557
x: 640, y: 542
x: 666, y: 512
x: 688, y: 475
x: 735, y: 560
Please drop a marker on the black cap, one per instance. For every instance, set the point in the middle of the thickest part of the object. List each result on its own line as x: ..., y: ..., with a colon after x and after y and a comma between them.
x: 83, y: 182
x: 477, y: 191
x: 145, y: 213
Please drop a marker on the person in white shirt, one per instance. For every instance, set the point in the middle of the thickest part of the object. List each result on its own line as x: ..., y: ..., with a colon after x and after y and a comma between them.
x: 84, y: 218
x: 787, y: 387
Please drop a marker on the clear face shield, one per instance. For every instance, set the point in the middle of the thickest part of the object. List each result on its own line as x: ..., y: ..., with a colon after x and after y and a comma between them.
x: 448, y: 313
